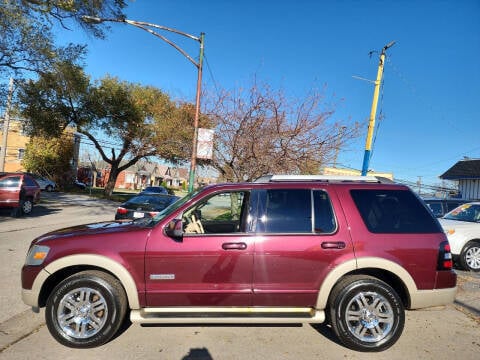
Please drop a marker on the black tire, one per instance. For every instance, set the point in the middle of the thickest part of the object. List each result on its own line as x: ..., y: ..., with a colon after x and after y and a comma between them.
x: 470, y: 256
x: 27, y: 206
x: 80, y: 300
x: 49, y: 188
x: 366, y: 314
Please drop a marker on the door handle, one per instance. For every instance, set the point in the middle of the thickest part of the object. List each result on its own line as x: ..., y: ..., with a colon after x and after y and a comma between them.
x: 234, y: 246
x: 333, y: 245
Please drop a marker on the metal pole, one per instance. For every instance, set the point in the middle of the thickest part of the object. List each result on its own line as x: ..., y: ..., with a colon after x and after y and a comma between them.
x: 6, y: 125
x: 193, y: 163
x: 373, y: 112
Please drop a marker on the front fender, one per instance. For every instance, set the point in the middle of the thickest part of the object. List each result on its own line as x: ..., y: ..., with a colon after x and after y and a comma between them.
x: 30, y: 297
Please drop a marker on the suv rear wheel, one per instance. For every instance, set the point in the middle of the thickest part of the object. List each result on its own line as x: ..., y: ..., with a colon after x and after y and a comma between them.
x: 366, y: 313
x: 86, y: 309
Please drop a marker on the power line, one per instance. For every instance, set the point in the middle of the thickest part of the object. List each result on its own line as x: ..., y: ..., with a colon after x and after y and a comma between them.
x: 211, y: 74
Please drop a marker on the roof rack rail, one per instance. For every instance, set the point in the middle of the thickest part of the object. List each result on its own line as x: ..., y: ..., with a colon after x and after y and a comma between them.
x: 325, y: 178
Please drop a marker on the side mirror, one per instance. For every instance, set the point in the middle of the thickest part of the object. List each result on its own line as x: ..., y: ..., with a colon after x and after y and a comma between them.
x: 174, y: 229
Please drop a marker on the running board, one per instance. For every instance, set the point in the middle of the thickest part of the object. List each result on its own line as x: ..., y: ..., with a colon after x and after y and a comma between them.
x: 226, y: 315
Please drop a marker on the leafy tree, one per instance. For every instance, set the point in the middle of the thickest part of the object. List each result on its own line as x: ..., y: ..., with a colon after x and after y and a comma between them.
x: 260, y: 131
x: 137, y: 121
x: 27, y: 41
x: 50, y: 157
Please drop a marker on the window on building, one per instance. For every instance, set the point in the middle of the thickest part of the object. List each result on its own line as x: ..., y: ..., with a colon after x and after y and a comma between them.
x: 21, y: 154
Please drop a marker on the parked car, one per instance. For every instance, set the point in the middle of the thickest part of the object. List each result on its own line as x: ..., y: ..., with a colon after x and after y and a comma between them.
x: 440, y: 207
x: 80, y: 185
x: 44, y: 183
x: 353, y: 251
x: 19, y: 192
x: 462, y: 226
x: 144, y: 206
x: 154, y: 190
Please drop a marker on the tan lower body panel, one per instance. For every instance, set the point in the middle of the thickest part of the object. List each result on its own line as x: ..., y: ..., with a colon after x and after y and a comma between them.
x: 227, y: 315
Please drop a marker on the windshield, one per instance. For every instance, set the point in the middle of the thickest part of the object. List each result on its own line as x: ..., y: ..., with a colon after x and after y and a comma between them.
x: 170, y: 209
x: 466, y: 212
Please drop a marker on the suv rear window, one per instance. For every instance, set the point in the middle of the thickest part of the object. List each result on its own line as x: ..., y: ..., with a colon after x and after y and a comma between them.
x: 10, y: 181
x: 394, y: 211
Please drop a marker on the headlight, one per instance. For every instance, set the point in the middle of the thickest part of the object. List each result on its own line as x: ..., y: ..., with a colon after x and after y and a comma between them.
x: 37, y: 255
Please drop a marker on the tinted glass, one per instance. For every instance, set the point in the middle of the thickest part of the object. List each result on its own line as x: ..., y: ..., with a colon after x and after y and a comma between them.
x: 436, y: 208
x: 288, y: 211
x: 394, y: 211
x: 323, y: 213
x: 29, y: 182
x: 150, y: 202
x: 10, y: 181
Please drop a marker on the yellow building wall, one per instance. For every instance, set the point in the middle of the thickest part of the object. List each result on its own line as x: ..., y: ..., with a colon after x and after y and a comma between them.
x: 16, y: 142
x: 351, y: 172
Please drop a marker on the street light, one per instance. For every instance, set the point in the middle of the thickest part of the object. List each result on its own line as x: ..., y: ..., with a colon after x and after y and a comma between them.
x: 146, y: 26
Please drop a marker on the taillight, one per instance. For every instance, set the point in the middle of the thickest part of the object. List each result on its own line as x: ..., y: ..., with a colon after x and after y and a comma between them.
x: 122, y: 211
x: 445, y: 261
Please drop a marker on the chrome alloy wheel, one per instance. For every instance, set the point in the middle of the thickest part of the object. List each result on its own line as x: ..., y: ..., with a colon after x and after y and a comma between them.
x: 82, y: 313
x: 472, y: 257
x: 369, y: 316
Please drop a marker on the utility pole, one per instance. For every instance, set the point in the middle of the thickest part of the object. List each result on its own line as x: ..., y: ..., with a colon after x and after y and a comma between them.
x: 373, y: 112
x: 6, y: 125
x: 419, y: 183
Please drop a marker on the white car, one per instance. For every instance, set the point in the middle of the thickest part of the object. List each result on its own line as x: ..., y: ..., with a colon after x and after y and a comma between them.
x: 462, y: 226
x: 45, y: 184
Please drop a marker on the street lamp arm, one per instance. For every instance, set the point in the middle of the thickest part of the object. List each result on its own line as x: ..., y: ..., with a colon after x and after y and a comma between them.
x: 161, y: 27
x: 146, y: 26
x: 183, y: 52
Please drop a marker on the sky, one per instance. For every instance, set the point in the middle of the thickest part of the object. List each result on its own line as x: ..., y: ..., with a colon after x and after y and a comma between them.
x: 428, y: 115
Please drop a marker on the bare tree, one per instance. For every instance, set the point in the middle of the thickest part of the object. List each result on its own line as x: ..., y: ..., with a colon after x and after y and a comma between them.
x: 260, y: 131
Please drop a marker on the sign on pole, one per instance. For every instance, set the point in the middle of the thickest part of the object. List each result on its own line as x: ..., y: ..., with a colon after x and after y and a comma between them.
x: 205, y: 143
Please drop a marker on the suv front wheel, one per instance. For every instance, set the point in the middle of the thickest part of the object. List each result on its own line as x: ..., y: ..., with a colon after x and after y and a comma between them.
x: 86, y: 309
x: 366, y: 313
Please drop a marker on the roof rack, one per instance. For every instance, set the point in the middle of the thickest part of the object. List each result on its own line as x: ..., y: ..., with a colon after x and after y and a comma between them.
x: 324, y: 178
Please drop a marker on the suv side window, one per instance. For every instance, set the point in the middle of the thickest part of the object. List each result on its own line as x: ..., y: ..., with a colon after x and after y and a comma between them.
x: 222, y: 213
x: 393, y: 211
x: 323, y: 213
x: 290, y: 211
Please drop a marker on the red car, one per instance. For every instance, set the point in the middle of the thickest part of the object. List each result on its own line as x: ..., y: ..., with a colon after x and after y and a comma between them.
x: 19, y: 192
x: 355, y: 252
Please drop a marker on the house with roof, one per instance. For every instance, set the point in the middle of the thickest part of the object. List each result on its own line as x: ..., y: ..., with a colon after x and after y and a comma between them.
x: 466, y: 173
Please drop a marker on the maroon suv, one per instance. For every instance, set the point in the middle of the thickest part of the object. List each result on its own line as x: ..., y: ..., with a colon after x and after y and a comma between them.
x: 354, y: 252
x: 19, y: 192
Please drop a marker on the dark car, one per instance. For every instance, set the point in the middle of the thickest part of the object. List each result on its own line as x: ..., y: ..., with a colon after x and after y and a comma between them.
x: 19, y: 192
x: 154, y: 190
x: 80, y: 185
x: 440, y: 207
x: 144, y: 205
x: 353, y: 252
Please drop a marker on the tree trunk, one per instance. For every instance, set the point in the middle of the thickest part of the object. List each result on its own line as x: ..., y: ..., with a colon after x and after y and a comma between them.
x: 112, y: 179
